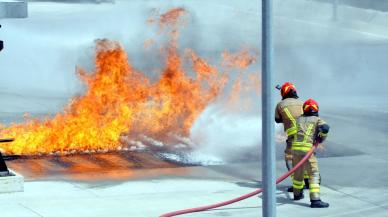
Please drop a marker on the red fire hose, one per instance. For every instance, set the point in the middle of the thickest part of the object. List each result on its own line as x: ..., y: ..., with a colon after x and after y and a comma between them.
x: 243, y: 197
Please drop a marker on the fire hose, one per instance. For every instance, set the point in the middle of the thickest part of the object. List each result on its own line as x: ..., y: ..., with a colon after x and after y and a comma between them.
x: 243, y: 197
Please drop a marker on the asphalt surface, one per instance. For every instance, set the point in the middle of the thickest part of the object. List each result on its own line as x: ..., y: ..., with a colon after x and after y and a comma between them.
x: 353, y: 168
x: 353, y: 163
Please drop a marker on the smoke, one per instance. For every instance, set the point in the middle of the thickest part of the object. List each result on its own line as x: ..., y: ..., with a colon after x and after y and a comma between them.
x: 227, y: 136
x: 339, y: 63
x: 327, y: 60
x: 41, y: 52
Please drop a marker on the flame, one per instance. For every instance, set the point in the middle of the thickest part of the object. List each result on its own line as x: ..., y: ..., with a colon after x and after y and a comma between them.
x: 239, y: 60
x: 243, y: 84
x: 120, y: 100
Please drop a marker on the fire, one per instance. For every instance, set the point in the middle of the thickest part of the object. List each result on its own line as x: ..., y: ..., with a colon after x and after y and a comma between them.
x: 120, y: 100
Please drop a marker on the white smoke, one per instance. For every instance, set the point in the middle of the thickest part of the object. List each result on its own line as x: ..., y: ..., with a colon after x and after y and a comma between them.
x: 323, y: 58
x: 224, y: 134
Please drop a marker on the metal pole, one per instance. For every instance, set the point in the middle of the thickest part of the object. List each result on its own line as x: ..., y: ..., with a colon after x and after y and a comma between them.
x: 268, y: 114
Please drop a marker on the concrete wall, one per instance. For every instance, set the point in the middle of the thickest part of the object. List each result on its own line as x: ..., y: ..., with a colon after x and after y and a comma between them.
x: 322, y: 11
x: 13, y: 9
x: 381, y: 5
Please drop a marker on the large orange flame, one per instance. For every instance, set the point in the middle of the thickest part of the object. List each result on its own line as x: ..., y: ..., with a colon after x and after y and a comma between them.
x: 120, y: 100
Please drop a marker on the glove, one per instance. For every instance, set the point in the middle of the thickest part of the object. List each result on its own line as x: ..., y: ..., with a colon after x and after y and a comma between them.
x: 320, y: 138
x: 322, y: 132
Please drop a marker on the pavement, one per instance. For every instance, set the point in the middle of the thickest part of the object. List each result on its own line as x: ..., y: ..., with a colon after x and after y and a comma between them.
x: 353, y: 164
x: 354, y: 181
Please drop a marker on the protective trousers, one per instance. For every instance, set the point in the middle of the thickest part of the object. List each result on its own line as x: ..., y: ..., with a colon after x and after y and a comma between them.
x: 311, y: 166
x: 288, y: 157
x: 288, y: 154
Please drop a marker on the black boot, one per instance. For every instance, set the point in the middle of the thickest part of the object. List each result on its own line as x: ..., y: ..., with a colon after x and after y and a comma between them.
x: 306, y: 184
x: 299, y: 197
x: 318, y: 204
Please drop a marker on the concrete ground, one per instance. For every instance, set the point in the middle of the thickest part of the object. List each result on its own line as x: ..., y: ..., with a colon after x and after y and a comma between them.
x: 353, y: 165
x: 353, y: 169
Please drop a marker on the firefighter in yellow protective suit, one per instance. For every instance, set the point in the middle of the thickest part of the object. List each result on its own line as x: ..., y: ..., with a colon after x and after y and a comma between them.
x: 287, y: 111
x: 310, y: 128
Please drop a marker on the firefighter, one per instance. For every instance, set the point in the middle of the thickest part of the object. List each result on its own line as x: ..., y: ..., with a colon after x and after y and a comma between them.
x: 310, y: 128
x: 287, y: 111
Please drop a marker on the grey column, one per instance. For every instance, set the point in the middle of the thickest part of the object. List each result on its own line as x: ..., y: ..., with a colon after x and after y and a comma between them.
x: 268, y: 114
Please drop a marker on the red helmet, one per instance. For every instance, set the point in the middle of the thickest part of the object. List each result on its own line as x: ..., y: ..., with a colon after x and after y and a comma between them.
x: 310, y: 106
x: 286, y: 88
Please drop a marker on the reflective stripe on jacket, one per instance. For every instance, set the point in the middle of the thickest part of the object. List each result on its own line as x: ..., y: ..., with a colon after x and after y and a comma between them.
x: 287, y: 111
x: 307, y: 127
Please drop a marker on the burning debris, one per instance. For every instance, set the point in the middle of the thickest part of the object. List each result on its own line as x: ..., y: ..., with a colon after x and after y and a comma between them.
x: 122, y: 109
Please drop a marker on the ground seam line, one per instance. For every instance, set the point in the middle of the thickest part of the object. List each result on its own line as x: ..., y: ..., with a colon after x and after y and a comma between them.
x: 26, y: 207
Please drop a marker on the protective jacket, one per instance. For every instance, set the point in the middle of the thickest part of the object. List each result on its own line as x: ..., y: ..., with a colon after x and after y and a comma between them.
x: 309, y: 128
x: 287, y: 111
